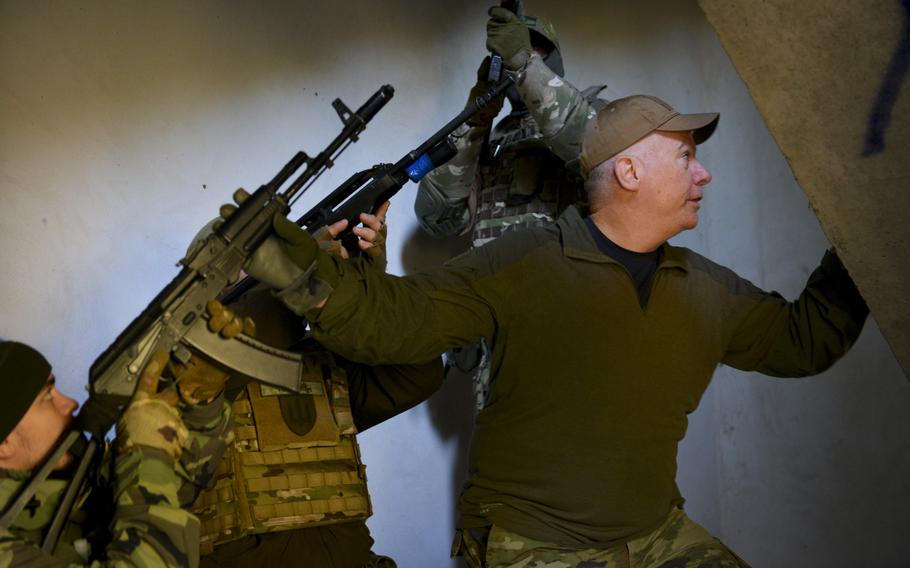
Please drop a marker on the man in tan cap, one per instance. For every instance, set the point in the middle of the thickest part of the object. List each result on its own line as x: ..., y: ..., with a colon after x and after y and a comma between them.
x: 604, y: 338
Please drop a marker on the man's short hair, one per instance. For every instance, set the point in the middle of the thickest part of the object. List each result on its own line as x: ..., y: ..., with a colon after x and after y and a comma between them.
x: 602, y: 174
x: 625, y: 121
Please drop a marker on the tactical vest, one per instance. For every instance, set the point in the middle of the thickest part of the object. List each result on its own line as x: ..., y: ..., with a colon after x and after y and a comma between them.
x: 295, y: 462
x: 522, y: 183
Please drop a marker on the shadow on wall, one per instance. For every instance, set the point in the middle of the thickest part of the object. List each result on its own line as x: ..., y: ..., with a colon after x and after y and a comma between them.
x: 420, y: 251
x: 451, y: 409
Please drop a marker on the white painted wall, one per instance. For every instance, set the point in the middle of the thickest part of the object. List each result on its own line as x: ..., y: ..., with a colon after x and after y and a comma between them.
x: 124, y: 125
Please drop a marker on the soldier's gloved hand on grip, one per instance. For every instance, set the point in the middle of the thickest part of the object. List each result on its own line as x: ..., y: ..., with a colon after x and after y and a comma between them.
x: 152, y: 420
x: 226, y: 323
x: 291, y: 262
x: 508, y: 36
x: 483, y: 118
x: 282, y: 258
x: 199, y: 380
x: 371, y: 237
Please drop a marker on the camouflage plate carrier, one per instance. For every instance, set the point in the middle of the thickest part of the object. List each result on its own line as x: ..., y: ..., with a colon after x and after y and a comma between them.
x: 295, y: 462
x: 523, y: 176
x: 522, y: 183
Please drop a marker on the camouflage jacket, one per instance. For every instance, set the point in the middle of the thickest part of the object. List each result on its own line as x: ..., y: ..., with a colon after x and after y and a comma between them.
x: 133, y: 512
x: 521, y: 150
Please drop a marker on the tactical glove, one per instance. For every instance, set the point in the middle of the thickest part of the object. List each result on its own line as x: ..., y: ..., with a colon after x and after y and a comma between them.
x: 152, y: 419
x: 328, y: 243
x: 376, y: 253
x: 509, y: 37
x: 371, y: 237
x: 199, y: 380
x: 483, y: 118
x: 282, y: 257
x: 291, y: 262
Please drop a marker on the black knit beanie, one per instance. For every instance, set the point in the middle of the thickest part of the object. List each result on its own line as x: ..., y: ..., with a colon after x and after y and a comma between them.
x: 23, y: 373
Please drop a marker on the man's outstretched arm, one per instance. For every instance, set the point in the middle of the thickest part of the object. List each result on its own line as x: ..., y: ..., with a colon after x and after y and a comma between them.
x: 803, y: 337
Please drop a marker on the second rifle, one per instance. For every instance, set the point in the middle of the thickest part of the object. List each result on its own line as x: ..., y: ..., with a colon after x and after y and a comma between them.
x: 366, y: 190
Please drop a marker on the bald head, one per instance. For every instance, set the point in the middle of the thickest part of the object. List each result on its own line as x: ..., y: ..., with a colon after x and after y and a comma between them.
x: 621, y: 170
x: 649, y: 192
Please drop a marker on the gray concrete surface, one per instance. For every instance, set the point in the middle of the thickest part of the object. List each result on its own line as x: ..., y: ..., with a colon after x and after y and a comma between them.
x: 124, y: 125
x: 831, y: 82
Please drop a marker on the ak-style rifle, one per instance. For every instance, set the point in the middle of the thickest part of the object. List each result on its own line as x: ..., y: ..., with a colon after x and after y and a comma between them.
x: 175, y: 320
x: 366, y: 190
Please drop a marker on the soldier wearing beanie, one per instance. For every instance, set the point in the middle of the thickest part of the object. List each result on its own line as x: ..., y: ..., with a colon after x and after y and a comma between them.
x: 604, y: 338
x: 133, y: 508
x: 33, y: 413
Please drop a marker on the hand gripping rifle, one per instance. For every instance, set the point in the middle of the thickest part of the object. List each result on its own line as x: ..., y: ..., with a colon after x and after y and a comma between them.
x: 495, y: 72
x: 175, y: 320
x: 365, y: 191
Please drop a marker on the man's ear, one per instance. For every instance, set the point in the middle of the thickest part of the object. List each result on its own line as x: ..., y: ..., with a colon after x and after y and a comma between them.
x: 628, y: 169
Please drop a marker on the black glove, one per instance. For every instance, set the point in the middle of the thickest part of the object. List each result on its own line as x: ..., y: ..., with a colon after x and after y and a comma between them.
x: 483, y: 118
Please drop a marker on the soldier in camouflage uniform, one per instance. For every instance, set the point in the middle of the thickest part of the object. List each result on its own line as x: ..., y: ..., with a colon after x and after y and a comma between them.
x: 293, y: 487
x: 522, y: 172
x: 133, y: 511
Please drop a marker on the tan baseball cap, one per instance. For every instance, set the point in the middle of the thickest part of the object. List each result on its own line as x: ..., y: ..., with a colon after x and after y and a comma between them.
x: 625, y: 121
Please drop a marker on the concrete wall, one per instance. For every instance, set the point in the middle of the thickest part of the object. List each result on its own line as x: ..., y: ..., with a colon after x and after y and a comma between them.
x: 124, y: 125
x: 843, y: 123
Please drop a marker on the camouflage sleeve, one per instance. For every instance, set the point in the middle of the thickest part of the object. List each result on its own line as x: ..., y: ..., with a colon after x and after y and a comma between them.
x: 211, y: 429
x: 149, y: 527
x: 152, y: 525
x: 16, y: 551
x: 443, y: 204
x: 561, y: 111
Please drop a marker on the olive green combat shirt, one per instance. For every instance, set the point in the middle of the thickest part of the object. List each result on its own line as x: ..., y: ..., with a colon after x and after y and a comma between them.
x: 591, y: 392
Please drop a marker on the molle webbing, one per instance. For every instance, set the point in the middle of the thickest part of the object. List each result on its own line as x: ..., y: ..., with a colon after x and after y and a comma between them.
x: 521, y: 190
x: 522, y: 183
x: 274, y: 478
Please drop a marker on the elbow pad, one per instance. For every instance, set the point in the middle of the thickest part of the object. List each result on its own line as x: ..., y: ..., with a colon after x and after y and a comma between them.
x: 441, y: 216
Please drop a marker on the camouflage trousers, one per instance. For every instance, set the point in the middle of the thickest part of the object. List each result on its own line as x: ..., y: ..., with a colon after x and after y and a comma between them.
x: 678, y: 543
